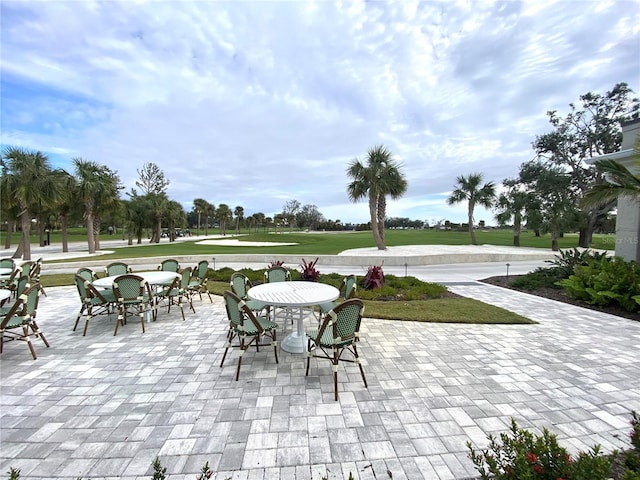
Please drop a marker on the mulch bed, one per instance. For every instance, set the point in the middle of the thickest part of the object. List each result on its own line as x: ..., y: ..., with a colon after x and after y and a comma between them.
x: 560, y: 296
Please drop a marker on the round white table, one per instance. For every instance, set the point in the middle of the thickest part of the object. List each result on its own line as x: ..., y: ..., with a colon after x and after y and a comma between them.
x: 292, y: 295
x: 153, y: 277
x: 4, y: 294
x: 6, y: 271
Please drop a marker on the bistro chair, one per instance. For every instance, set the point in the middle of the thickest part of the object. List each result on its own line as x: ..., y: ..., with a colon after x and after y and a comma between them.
x: 199, y: 278
x: 117, y: 268
x: 20, y: 285
x: 347, y: 290
x: 240, y: 285
x: 175, y: 292
x: 244, y: 325
x: 7, y: 262
x: 21, y: 318
x: 10, y: 282
x: 133, y: 293
x: 34, y: 274
x: 94, y: 301
x: 169, y: 265
x: 88, y: 274
x: 336, y: 336
x: 277, y: 274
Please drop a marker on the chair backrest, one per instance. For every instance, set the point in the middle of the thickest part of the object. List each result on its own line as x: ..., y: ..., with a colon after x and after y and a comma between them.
x: 86, y: 273
x: 13, y: 278
x: 169, y: 265
x: 16, y: 315
x: 22, y: 284
x: 86, y: 290
x: 32, y: 297
x: 117, y: 268
x: 240, y: 284
x: 185, y: 277
x: 276, y: 274
x: 238, y: 312
x: 34, y: 271
x: 345, y: 320
x: 201, y: 269
x: 7, y: 263
x: 26, y: 266
x: 130, y: 287
x: 349, y: 287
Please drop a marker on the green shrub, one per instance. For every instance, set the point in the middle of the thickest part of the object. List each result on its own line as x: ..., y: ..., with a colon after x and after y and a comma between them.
x: 540, y: 278
x: 568, y: 259
x: 606, y: 281
x: 521, y: 455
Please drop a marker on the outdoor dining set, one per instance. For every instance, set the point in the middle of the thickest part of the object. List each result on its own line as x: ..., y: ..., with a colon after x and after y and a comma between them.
x: 255, y: 312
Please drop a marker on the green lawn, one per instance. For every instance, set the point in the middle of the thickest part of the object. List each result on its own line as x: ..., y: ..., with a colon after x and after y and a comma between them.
x: 309, y: 244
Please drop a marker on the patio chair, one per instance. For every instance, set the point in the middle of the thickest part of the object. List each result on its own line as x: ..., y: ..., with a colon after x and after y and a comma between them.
x: 133, y: 292
x: 16, y: 289
x: 34, y: 274
x: 7, y: 263
x: 94, y: 302
x: 88, y: 274
x: 337, y: 335
x: 277, y: 274
x: 244, y: 324
x: 199, y: 278
x: 117, y: 268
x: 11, y: 280
x: 347, y: 290
x: 175, y: 292
x: 240, y: 285
x: 21, y: 318
x: 169, y: 265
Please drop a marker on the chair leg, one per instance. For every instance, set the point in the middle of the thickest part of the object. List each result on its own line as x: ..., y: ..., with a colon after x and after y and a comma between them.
x: 79, y: 315
x: 308, y: 356
x: 275, y: 345
x: 38, y: 333
x: 25, y: 329
x: 336, y: 359
x: 120, y: 319
x: 230, y: 337
x: 242, y: 350
x: 355, y: 354
x: 86, y: 323
x: 141, y: 311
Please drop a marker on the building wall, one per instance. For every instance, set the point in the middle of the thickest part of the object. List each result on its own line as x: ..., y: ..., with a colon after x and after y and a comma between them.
x: 628, y: 219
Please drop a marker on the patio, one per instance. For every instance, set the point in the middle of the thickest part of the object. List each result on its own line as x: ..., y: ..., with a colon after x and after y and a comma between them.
x: 105, y: 407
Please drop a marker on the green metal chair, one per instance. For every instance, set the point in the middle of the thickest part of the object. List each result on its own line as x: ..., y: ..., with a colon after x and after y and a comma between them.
x: 244, y: 325
x: 169, y: 265
x: 117, y: 268
x: 277, y: 274
x: 94, y: 301
x: 21, y: 319
x: 133, y: 293
x: 88, y: 274
x: 347, y: 290
x: 7, y: 262
x: 337, y: 335
x: 199, y: 278
x: 240, y: 285
x: 176, y: 292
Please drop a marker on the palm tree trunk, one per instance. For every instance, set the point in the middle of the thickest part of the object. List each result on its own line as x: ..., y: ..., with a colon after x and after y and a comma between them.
x: 65, y: 237
x: 373, y: 212
x: 471, y: 231
x: 7, y: 239
x: 96, y: 232
x: 25, y: 241
x: 517, y: 228
x: 90, y: 239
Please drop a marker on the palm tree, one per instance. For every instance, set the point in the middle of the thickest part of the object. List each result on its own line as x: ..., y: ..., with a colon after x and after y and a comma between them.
x: 239, y: 214
x: 200, y: 206
x: 29, y: 182
x: 381, y: 176
x: 469, y: 189
x: 512, y: 205
x: 97, y: 188
x: 223, y: 215
x: 619, y: 182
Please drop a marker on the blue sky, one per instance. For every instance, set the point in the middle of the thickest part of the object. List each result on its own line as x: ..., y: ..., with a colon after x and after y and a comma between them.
x: 255, y: 103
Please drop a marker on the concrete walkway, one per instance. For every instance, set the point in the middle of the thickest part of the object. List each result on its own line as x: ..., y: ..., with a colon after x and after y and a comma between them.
x: 105, y: 407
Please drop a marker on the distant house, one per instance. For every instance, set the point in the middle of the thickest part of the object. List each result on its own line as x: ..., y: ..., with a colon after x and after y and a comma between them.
x: 628, y: 220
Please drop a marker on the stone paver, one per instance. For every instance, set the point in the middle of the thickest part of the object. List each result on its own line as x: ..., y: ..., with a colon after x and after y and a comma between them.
x: 104, y: 407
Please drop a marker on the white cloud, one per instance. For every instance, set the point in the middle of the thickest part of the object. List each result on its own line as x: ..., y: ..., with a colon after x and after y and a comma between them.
x: 255, y: 103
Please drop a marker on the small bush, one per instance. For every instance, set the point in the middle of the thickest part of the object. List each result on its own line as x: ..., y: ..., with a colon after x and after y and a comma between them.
x: 606, y: 281
x: 540, y: 278
x: 567, y: 260
x: 308, y: 271
x: 521, y: 455
x: 374, y: 278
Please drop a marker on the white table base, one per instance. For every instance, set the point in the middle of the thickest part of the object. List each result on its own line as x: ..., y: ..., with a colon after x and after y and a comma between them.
x: 296, y: 341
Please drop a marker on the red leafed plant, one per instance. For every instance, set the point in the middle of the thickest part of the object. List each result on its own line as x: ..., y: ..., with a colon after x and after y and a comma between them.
x: 276, y: 263
x: 374, y: 278
x: 309, y: 272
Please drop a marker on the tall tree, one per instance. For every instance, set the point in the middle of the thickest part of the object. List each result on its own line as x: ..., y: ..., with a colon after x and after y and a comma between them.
x: 512, y: 204
x: 98, y: 187
x: 290, y: 209
x: 588, y: 130
x: 223, y: 215
x: 151, y: 179
x: 29, y: 184
x: 201, y: 206
x: 238, y: 212
x: 469, y: 189
x: 379, y: 177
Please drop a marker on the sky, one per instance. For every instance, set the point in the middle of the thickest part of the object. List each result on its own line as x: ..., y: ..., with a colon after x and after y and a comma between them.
x: 255, y: 103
